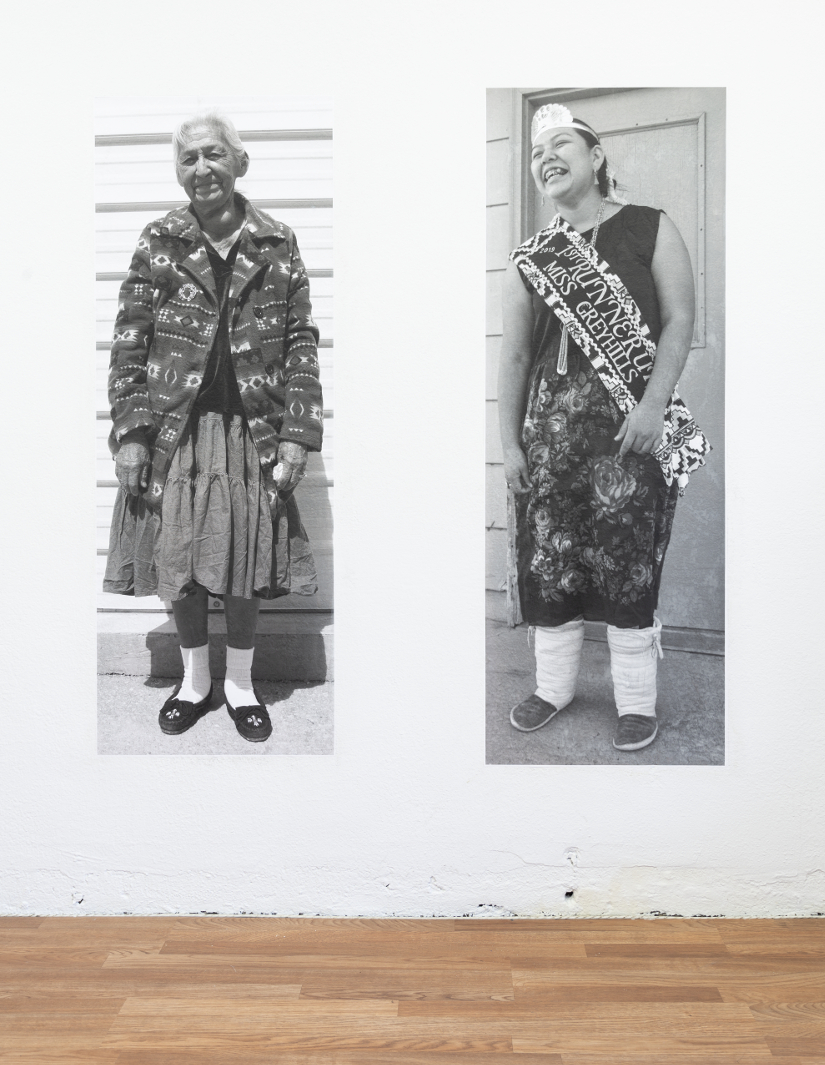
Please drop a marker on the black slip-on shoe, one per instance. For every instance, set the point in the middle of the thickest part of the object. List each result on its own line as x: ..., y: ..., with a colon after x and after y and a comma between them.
x: 634, y: 731
x: 252, y: 722
x: 531, y: 713
x: 177, y: 715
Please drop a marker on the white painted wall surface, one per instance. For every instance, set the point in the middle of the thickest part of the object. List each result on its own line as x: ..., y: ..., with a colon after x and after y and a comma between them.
x: 405, y: 818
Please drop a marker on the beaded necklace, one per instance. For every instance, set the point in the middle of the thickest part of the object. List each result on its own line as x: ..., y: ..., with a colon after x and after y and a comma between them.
x: 561, y: 365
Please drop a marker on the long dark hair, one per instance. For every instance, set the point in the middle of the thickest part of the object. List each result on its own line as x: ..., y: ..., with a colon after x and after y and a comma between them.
x: 591, y: 140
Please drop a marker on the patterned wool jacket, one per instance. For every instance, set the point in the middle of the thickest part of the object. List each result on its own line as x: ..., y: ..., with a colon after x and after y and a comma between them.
x: 166, y: 324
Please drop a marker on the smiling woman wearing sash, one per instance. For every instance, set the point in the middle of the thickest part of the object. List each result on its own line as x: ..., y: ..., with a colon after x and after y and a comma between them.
x: 598, y: 322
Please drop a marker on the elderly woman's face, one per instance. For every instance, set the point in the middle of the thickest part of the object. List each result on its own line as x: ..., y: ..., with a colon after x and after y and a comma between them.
x: 562, y: 162
x: 207, y: 168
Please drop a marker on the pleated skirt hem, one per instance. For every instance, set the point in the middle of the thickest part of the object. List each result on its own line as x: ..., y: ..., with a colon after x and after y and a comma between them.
x: 216, y: 528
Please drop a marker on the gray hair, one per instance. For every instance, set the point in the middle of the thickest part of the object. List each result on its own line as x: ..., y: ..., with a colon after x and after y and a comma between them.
x: 212, y: 119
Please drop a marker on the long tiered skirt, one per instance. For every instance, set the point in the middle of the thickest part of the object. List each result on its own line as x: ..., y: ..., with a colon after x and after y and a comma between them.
x: 216, y: 528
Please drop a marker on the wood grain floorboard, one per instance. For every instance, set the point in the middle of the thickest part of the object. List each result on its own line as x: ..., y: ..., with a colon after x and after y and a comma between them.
x: 320, y: 991
x: 550, y: 996
x: 731, y: 968
x: 345, y: 1057
x: 63, y: 1056
x: 74, y: 1006
x: 497, y: 944
x: 256, y: 1011
x: 401, y: 983
x: 700, y: 1058
x: 657, y: 1012
x: 656, y: 950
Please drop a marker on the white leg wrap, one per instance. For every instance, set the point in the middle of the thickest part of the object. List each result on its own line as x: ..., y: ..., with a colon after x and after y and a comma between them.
x: 558, y: 654
x: 634, y: 655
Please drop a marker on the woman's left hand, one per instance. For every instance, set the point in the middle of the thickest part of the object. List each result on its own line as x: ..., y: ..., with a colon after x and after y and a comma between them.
x: 641, y: 431
x: 292, y: 461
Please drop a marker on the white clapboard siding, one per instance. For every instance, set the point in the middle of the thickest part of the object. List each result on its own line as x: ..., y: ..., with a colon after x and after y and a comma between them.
x: 119, y: 115
x: 289, y: 142
x: 278, y: 170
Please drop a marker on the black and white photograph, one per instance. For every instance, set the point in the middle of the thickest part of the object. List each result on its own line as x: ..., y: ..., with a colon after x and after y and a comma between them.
x: 605, y: 429
x: 214, y: 424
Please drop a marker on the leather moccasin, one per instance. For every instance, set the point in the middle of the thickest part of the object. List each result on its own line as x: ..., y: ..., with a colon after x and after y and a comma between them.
x: 177, y: 715
x: 531, y: 713
x: 635, y: 731
x: 252, y: 722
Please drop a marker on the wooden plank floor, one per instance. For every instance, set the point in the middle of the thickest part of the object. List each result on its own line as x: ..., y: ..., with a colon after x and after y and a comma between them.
x: 250, y: 991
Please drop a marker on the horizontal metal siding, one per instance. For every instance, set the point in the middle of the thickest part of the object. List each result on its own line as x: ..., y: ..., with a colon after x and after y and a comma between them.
x: 119, y: 115
x: 290, y: 176
x: 279, y: 170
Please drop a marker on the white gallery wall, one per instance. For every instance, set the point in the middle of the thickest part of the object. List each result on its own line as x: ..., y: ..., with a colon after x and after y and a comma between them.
x: 406, y: 818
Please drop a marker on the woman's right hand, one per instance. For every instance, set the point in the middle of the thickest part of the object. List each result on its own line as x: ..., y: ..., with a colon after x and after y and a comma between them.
x: 132, y: 465
x: 516, y: 473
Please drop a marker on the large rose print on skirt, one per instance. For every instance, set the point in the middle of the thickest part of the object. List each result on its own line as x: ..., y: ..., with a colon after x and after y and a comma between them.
x: 613, y: 486
x: 641, y: 574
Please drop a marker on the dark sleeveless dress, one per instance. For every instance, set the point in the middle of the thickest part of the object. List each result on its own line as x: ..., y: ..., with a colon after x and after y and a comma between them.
x: 591, y: 535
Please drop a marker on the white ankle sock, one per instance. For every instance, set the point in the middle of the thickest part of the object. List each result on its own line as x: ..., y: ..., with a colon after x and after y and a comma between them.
x: 196, y: 677
x: 237, y: 686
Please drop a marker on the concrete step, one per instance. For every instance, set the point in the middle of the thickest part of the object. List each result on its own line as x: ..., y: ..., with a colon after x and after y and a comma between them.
x: 290, y: 645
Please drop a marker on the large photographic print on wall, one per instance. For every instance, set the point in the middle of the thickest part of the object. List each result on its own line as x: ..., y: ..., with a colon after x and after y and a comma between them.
x: 605, y: 511
x: 214, y: 392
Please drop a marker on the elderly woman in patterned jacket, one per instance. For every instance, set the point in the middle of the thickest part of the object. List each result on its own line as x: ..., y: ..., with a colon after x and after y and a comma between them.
x: 216, y: 400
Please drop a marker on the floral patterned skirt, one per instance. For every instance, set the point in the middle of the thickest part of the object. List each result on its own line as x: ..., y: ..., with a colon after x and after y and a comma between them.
x: 591, y: 535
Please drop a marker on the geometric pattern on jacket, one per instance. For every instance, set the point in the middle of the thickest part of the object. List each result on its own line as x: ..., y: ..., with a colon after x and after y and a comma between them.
x: 166, y: 324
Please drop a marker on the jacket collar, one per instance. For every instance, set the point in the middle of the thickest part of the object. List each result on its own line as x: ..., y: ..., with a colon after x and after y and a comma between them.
x: 252, y: 257
x: 183, y: 224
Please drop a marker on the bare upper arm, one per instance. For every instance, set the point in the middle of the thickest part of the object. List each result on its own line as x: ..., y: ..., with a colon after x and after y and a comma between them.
x: 517, y: 316
x: 673, y: 275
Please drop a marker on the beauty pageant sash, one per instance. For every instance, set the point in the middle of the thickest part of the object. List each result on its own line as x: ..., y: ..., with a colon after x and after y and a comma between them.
x: 605, y: 321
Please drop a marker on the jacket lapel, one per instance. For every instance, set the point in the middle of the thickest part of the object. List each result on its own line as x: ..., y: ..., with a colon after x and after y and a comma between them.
x: 248, y: 263
x: 251, y: 258
x: 198, y: 265
x: 191, y: 251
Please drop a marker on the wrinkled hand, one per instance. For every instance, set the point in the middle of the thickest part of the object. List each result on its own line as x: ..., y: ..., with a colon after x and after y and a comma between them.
x: 516, y: 473
x: 292, y: 461
x: 641, y: 431
x: 132, y: 466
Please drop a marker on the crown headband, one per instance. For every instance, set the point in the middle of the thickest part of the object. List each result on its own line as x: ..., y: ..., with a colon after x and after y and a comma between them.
x: 556, y: 116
